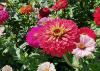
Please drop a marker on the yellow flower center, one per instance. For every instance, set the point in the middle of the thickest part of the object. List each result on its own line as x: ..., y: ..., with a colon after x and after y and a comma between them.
x: 57, y: 30
x: 81, y: 45
x: 46, y: 69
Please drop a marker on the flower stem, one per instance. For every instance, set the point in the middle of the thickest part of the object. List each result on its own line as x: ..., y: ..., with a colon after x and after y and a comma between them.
x: 67, y: 61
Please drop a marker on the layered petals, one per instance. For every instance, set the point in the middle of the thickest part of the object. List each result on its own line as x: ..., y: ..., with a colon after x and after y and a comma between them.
x: 58, y: 37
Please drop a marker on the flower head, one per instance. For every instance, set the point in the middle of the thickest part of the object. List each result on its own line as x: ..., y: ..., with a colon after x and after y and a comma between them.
x: 97, y: 16
x: 61, y: 4
x: 32, y: 37
x: 26, y: 9
x: 44, y: 12
x: 58, y: 36
x: 46, y: 66
x: 87, y: 31
x: 43, y: 21
x: 85, y: 47
x: 7, y: 68
x: 4, y: 15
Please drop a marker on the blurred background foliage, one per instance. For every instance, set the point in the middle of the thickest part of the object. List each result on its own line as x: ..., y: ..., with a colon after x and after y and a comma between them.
x: 14, y: 50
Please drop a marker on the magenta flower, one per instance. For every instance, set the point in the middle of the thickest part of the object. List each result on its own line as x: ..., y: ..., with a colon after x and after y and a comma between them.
x: 58, y: 37
x: 32, y: 37
x: 4, y: 15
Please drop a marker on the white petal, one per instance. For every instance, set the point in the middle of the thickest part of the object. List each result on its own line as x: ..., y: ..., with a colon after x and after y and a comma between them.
x: 84, y: 39
x: 91, y: 43
x: 81, y: 53
x: 90, y: 49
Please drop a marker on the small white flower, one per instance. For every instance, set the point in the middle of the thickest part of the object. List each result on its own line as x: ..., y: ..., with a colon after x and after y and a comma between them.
x: 46, y: 66
x: 1, y: 31
x: 7, y: 68
x: 85, y: 47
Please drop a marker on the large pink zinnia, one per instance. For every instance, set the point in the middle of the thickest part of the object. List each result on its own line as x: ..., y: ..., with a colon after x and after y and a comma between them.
x: 32, y: 37
x: 4, y: 15
x: 58, y: 36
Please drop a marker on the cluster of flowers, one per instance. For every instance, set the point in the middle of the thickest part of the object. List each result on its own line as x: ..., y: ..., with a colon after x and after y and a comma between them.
x: 57, y: 36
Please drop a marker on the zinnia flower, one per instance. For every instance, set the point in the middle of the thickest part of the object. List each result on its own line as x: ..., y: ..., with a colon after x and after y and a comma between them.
x: 85, y: 47
x: 4, y: 15
x: 61, y: 4
x: 44, y: 12
x: 32, y: 37
x: 43, y: 21
x: 26, y: 9
x: 46, y: 66
x: 1, y: 7
x: 58, y: 36
x: 7, y: 68
x: 87, y: 31
x: 1, y: 30
x: 97, y: 16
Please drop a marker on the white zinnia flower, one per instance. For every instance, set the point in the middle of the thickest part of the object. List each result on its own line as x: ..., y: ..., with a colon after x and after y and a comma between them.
x: 85, y: 47
x: 46, y: 66
x: 1, y: 31
x: 7, y: 68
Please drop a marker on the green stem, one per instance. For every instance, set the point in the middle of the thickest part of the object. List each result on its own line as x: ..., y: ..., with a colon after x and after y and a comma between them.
x: 67, y: 61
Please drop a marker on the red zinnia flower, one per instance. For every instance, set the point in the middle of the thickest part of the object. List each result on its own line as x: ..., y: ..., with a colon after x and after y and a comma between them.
x: 58, y: 36
x: 44, y: 12
x: 61, y: 4
x: 26, y: 9
x: 87, y: 31
x: 97, y: 16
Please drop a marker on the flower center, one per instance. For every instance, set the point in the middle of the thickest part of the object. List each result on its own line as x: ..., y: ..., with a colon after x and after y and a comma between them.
x: 58, y: 31
x: 81, y: 45
x: 46, y: 69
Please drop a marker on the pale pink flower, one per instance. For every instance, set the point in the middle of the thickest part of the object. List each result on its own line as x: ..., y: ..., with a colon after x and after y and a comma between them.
x: 7, y: 68
x: 85, y: 47
x: 43, y: 21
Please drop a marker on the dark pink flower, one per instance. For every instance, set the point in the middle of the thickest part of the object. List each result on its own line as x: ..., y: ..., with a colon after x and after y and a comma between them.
x: 32, y: 37
x: 58, y: 36
x: 4, y: 16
